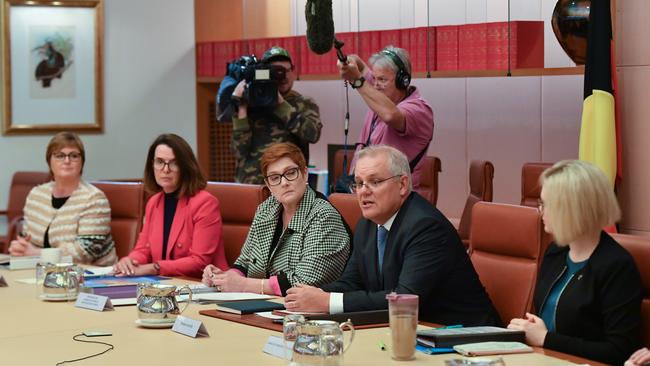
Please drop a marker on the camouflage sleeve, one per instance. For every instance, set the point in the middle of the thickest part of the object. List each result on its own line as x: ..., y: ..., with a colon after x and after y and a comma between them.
x: 242, y: 137
x: 302, y: 118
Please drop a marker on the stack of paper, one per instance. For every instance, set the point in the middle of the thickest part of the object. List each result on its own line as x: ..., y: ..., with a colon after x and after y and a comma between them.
x: 491, y: 348
x: 201, y: 288
x: 223, y: 296
x: 98, y: 272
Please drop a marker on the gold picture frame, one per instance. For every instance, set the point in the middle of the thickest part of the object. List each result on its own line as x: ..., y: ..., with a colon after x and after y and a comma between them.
x: 52, y: 66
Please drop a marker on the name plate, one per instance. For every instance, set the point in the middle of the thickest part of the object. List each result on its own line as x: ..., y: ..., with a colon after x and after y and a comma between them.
x: 190, y: 327
x: 275, y: 347
x: 23, y: 262
x: 3, y: 282
x: 93, y: 302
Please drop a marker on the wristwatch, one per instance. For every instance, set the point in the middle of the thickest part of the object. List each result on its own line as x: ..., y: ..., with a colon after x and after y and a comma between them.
x: 356, y: 84
x: 235, y: 101
x: 156, y: 266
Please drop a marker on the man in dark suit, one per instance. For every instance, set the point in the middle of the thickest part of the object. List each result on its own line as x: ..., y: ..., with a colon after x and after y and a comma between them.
x: 421, y: 253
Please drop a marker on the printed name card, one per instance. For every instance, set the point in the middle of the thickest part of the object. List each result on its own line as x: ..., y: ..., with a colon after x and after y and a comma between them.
x: 3, y: 282
x: 190, y: 327
x: 93, y: 302
x: 275, y: 347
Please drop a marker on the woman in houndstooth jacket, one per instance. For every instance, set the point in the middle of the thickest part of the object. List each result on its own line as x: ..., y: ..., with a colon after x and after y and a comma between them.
x: 297, y: 237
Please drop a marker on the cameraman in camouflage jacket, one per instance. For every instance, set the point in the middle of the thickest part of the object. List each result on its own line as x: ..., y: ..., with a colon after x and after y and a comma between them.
x: 295, y: 119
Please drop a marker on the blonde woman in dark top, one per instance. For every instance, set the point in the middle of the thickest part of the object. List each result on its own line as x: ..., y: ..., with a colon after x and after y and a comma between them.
x: 588, y: 293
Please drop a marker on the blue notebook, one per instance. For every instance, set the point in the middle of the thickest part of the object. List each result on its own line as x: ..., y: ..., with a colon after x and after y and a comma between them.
x: 249, y: 307
x: 109, y: 281
x: 433, y: 350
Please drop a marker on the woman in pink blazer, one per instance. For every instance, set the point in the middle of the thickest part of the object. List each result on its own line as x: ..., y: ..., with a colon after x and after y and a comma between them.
x: 182, y: 226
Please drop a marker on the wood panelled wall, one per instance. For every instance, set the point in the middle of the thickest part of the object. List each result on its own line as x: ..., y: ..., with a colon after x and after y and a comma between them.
x: 473, y: 119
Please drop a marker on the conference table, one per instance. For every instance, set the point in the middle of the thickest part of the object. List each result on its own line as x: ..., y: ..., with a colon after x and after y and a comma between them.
x: 35, y: 332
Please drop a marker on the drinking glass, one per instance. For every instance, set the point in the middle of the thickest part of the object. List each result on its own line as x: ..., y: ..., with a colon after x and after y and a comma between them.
x: 290, y: 326
x: 403, y: 318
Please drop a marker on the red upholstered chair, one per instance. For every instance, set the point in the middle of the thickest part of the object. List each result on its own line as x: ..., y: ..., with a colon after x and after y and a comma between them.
x: 338, y: 162
x: 429, y: 179
x: 481, y: 175
x: 127, y: 211
x: 238, y: 204
x: 146, y: 194
x: 348, y: 206
x: 21, y: 184
x: 639, y: 248
x: 506, y: 244
x: 530, y: 188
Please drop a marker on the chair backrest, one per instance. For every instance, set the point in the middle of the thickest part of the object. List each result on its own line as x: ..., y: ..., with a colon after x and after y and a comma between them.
x: 127, y: 212
x: 238, y: 203
x: 338, y: 162
x: 21, y: 184
x: 530, y: 188
x: 481, y: 176
x: 505, y: 243
x: 639, y: 248
x: 146, y: 195
x: 429, y: 179
x: 348, y: 207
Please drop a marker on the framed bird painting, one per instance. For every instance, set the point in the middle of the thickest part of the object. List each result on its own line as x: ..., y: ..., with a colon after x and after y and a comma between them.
x: 52, y: 76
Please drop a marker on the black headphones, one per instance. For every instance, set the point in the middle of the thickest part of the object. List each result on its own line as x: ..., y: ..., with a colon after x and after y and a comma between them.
x: 402, y: 77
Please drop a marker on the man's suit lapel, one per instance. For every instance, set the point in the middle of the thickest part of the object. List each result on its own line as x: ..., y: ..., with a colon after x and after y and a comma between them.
x: 374, y: 258
x: 390, y: 252
x: 371, y: 254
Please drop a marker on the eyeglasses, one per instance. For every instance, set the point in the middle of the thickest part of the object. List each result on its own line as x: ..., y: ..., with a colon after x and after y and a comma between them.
x: 382, y: 81
x: 73, y: 156
x: 371, y: 185
x: 289, y: 175
x: 540, y: 205
x: 159, y: 164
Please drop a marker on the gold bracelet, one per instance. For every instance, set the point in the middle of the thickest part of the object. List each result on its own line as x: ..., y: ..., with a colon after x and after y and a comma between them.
x: 262, y: 287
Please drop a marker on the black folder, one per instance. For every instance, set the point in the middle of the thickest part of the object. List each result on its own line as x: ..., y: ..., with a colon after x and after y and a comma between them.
x: 249, y: 307
x: 449, y: 337
x: 356, y: 317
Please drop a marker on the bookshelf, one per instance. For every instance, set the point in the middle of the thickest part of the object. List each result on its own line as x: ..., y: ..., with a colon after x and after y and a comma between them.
x: 548, y: 71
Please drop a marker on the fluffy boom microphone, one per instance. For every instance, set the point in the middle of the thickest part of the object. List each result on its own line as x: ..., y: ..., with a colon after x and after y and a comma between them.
x: 320, y: 25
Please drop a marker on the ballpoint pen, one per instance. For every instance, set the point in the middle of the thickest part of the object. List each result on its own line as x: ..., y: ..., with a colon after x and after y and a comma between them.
x: 381, y: 345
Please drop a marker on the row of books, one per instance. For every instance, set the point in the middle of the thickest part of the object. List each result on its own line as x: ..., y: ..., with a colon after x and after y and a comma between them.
x: 481, y: 46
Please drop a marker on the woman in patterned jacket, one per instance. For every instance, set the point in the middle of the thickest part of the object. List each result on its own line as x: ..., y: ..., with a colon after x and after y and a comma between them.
x: 297, y: 237
x: 67, y: 213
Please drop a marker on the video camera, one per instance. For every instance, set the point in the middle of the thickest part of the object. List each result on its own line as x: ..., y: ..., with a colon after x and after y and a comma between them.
x: 261, y: 91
